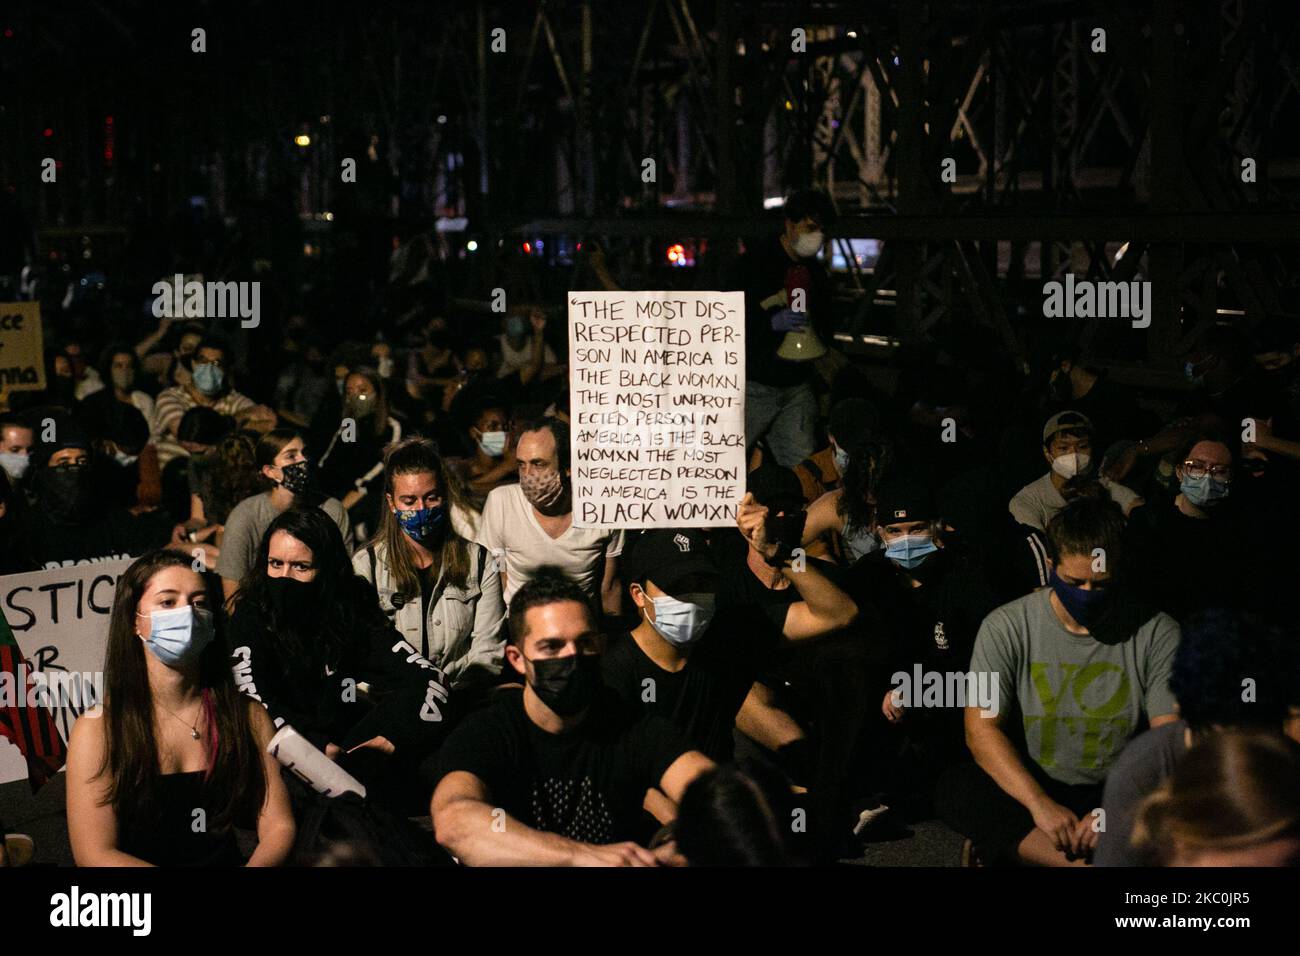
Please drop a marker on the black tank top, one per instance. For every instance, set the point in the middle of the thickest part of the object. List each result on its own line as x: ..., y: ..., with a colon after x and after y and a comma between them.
x: 167, y: 836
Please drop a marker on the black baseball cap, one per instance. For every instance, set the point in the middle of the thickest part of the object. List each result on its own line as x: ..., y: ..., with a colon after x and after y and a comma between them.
x: 671, y: 557
x: 904, y: 498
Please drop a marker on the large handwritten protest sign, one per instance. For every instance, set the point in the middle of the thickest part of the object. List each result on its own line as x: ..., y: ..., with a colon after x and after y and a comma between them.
x: 657, y: 404
x: 22, y: 347
x: 60, y: 620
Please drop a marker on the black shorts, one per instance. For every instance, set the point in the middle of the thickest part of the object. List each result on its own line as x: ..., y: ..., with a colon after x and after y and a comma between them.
x: 972, y: 803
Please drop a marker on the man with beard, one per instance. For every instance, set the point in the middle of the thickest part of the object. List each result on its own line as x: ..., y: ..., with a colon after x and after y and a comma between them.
x: 528, y: 525
x: 71, y: 523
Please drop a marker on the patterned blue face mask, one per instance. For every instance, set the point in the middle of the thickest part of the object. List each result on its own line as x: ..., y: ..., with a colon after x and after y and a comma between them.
x: 910, y: 550
x: 423, y: 524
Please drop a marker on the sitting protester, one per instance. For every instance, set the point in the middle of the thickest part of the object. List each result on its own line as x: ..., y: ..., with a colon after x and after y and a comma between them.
x: 71, y: 522
x: 839, y: 492
x: 1067, y: 446
x: 1078, y: 670
x: 557, y: 774
x: 174, y: 742
x: 1220, y: 655
x: 352, y: 465
x: 441, y: 592
x: 287, y: 474
x: 1233, y: 801
x: 309, y: 642
x: 729, y: 818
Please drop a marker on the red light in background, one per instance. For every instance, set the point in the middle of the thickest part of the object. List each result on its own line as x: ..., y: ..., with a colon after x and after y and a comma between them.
x: 48, y: 132
x: 676, y: 252
x: 528, y: 248
x: 9, y: 33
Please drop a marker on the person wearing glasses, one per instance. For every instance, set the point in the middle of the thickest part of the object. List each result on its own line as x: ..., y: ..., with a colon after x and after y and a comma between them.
x: 1190, y: 546
x: 209, y: 386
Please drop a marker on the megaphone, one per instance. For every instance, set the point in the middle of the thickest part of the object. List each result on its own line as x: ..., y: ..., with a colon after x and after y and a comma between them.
x: 804, y: 345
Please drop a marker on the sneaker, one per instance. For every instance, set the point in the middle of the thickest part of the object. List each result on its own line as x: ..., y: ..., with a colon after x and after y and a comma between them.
x: 20, y: 848
x: 869, y: 816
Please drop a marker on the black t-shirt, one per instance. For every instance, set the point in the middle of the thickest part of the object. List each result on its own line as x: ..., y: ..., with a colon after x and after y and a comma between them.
x: 587, y: 784
x: 761, y: 273
x: 1186, y: 564
x: 1113, y: 411
x: 703, y: 698
x: 933, y: 625
x: 746, y: 602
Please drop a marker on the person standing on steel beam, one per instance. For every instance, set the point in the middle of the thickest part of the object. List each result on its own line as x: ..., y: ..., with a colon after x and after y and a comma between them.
x: 778, y: 275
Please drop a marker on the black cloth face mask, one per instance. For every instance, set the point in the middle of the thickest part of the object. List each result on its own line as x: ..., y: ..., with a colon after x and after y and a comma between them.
x: 297, y: 478
x: 567, y: 685
x: 292, y: 600
x: 66, y: 493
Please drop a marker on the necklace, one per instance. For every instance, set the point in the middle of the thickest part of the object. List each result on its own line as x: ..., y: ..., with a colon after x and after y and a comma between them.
x: 194, y: 727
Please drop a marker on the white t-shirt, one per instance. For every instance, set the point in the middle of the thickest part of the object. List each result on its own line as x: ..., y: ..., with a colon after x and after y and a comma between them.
x: 513, y: 360
x: 1038, y: 501
x: 509, y: 528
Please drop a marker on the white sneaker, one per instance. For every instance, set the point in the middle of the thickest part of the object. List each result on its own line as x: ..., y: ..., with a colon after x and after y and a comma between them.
x: 868, y: 817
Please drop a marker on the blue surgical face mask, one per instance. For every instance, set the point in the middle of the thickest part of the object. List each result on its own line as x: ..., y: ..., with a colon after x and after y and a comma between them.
x: 682, y: 622
x: 910, y: 550
x: 1084, y: 605
x: 179, y: 635
x: 14, y: 463
x: 841, y: 461
x: 423, y: 524
x: 1204, y: 491
x: 209, y: 379
x: 493, y: 444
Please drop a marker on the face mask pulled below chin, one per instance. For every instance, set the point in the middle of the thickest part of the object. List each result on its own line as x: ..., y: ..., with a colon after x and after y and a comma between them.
x: 841, y: 461
x: 682, y: 622
x: 1075, y: 463
x: 567, y: 685
x: 808, y: 244
x: 179, y: 636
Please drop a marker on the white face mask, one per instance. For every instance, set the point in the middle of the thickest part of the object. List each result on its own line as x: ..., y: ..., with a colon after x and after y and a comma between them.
x: 808, y: 244
x: 14, y: 463
x: 385, y: 368
x: 682, y: 622
x: 125, y: 460
x: 1075, y: 463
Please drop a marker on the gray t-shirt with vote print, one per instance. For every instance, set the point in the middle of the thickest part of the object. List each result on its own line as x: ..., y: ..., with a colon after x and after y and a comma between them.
x: 1078, y: 701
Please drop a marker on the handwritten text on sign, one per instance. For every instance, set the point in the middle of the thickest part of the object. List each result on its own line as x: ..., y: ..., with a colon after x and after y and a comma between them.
x: 22, y: 362
x: 657, y: 398
x: 60, y: 620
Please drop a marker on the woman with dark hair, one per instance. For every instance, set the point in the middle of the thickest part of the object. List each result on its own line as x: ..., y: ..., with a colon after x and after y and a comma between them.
x: 438, y: 589
x: 727, y: 818
x: 862, y: 457
x: 119, y: 373
x: 308, y: 638
x: 176, y: 756
x: 1234, y: 800
x: 287, y: 476
x: 352, y: 466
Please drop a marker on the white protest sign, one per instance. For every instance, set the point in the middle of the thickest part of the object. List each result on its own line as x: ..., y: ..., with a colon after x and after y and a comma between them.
x: 60, y: 620
x: 657, y: 405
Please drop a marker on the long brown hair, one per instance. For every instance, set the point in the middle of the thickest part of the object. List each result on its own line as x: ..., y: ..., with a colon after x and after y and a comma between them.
x: 1233, y: 790
x: 414, y: 456
x: 235, y: 770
